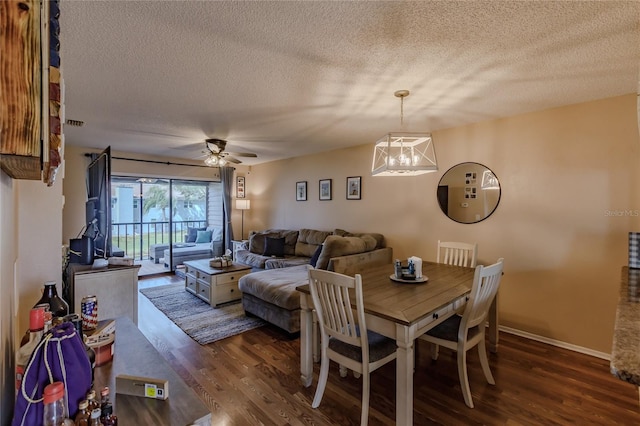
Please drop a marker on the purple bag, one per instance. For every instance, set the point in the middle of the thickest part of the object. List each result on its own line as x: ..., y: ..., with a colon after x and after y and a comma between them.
x: 59, y: 357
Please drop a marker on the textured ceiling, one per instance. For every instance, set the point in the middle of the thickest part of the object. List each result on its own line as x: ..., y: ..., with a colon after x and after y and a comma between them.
x: 283, y: 79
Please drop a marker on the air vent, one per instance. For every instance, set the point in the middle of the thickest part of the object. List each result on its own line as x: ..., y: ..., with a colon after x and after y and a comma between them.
x: 76, y: 123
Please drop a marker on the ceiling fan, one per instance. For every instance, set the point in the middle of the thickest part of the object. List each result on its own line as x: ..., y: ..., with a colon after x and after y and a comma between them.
x: 217, y: 156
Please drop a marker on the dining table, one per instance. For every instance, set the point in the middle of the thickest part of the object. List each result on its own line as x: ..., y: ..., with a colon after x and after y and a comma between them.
x: 402, y: 311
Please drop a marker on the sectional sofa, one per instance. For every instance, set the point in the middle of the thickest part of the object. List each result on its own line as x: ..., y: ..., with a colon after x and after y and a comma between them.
x: 270, y: 291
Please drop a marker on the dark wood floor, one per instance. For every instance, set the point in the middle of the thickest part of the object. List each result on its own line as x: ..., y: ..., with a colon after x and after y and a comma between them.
x: 253, y: 379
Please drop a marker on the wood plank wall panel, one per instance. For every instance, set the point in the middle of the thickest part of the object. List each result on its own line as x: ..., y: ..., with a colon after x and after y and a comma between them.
x: 20, y: 88
x: 53, y: 159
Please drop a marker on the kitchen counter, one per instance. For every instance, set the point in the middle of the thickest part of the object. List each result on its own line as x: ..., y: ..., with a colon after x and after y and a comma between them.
x: 625, y: 355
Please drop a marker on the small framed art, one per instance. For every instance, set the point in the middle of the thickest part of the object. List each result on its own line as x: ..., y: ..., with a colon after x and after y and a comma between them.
x: 325, y: 189
x: 353, y: 187
x: 301, y: 191
x: 240, y: 187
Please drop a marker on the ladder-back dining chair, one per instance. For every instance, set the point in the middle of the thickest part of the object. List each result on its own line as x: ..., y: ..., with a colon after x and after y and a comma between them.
x: 344, y: 337
x: 462, y: 332
x: 459, y: 254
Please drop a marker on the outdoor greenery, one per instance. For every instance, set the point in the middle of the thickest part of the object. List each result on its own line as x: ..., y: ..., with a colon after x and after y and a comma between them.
x: 158, y: 196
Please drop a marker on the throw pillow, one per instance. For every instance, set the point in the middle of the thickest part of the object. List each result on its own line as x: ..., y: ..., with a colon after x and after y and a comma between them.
x: 203, y: 237
x: 192, y: 234
x: 316, y: 255
x: 274, y: 247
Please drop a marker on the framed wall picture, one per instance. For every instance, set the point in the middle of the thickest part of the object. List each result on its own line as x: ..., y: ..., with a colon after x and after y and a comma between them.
x: 240, y: 187
x: 353, y: 187
x: 325, y: 189
x: 301, y: 191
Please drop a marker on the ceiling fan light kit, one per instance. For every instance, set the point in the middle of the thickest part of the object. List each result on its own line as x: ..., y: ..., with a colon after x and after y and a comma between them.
x: 404, y: 153
x: 218, y: 156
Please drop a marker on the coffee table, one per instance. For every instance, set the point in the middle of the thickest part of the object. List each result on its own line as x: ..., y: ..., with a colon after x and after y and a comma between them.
x: 214, y: 285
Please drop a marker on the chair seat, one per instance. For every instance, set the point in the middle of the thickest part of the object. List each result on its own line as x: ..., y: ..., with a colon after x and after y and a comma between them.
x: 448, y: 330
x: 379, y: 347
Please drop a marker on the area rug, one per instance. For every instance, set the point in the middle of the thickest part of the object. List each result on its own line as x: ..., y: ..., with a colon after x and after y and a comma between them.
x: 198, y: 319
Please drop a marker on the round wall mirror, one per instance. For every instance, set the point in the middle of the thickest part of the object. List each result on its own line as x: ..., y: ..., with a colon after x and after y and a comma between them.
x: 468, y: 192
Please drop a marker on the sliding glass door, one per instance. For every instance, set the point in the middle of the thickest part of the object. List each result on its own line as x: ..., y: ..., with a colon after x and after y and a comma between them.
x: 150, y: 215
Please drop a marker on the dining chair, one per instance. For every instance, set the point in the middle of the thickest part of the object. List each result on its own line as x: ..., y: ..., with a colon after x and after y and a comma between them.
x: 344, y: 337
x: 462, y: 332
x: 459, y: 254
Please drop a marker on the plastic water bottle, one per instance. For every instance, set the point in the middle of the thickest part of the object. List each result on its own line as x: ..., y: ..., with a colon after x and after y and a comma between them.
x: 55, y: 406
x: 36, y: 327
x: 398, y: 269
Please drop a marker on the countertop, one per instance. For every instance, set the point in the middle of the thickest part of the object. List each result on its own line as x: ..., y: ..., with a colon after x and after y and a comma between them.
x: 625, y: 355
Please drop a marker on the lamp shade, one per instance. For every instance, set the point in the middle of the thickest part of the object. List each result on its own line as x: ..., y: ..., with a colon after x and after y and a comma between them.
x: 404, y: 154
x: 242, y: 204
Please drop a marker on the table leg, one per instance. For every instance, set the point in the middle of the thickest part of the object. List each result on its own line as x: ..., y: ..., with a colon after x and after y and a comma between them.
x: 493, y: 325
x: 316, y: 337
x: 404, y: 377
x: 306, y: 346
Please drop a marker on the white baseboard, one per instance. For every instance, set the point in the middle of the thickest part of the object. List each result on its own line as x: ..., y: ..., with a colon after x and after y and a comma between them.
x: 557, y: 343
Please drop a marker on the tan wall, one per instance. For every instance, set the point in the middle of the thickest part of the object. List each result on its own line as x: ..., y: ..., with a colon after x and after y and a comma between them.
x: 563, y: 172
x: 7, y: 301
x: 30, y: 251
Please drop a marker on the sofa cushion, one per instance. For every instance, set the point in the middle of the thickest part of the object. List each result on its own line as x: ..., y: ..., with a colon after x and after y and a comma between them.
x: 257, y: 240
x: 336, y: 245
x: 285, y: 262
x: 203, y: 237
x: 308, y: 241
x: 276, y: 286
x: 378, y: 237
x: 274, y: 247
x: 251, y: 259
x: 192, y: 234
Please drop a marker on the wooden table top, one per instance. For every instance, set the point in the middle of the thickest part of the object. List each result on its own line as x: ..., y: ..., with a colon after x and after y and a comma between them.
x: 203, y: 265
x: 408, y: 303
x: 134, y: 355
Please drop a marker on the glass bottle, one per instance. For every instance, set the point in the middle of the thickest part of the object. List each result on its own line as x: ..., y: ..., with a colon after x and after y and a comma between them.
x: 108, y: 418
x: 93, y: 402
x: 84, y: 415
x: 55, y: 406
x: 47, y: 326
x: 36, y: 330
x: 104, y: 397
x: 58, y: 307
x: 95, y: 417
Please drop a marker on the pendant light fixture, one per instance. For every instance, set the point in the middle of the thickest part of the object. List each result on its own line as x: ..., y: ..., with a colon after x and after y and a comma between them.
x: 403, y: 153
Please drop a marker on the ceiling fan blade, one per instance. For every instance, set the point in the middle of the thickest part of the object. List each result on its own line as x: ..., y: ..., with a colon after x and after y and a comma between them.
x: 232, y: 160
x: 243, y: 154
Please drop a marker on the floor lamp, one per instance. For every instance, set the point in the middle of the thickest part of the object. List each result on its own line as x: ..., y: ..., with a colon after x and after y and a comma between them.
x: 242, y: 204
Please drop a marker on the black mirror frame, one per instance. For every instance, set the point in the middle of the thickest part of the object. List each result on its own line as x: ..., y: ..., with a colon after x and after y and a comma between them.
x: 445, y: 210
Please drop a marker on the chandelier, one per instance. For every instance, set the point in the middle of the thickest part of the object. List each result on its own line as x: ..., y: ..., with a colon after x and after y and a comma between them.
x: 403, y: 153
